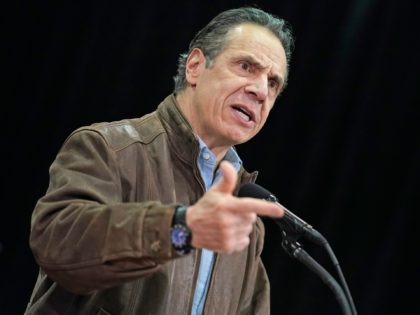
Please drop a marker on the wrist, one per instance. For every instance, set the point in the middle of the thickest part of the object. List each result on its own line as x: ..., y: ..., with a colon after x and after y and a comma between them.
x: 180, y: 232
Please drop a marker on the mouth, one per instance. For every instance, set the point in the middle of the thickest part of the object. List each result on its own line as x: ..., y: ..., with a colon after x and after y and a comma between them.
x: 244, y: 112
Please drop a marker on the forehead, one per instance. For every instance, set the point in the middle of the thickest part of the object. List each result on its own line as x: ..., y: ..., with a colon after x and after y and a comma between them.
x: 258, y: 42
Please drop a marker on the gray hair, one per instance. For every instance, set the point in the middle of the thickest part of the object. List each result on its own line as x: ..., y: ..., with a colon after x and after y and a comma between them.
x: 212, y: 38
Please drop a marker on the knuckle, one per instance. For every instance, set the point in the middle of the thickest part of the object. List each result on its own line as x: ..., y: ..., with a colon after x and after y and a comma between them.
x: 227, y: 246
x: 246, y: 242
x: 243, y: 244
x: 253, y: 217
x: 249, y: 229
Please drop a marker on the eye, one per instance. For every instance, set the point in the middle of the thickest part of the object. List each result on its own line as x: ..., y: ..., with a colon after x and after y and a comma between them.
x: 273, y: 84
x: 245, y: 66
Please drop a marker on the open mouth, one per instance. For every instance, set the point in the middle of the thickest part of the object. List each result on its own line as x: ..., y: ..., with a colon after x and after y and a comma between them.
x: 248, y: 116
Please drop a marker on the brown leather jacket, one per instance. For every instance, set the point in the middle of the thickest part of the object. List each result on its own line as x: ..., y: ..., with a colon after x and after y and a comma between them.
x: 101, y: 233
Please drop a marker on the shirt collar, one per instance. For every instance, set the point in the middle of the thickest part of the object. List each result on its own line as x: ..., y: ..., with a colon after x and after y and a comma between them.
x: 207, y: 155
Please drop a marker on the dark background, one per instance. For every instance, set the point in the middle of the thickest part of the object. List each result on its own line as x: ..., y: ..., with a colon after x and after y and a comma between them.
x: 340, y: 149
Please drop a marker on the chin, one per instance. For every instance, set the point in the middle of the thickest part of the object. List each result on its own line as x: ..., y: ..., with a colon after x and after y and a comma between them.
x: 238, y: 136
x: 241, y: 139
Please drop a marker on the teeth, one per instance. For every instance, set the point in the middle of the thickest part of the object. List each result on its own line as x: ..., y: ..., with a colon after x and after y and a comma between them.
x: 243, y: 113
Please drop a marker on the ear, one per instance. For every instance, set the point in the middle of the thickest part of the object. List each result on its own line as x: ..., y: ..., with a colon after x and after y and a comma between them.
x: 196, y: 63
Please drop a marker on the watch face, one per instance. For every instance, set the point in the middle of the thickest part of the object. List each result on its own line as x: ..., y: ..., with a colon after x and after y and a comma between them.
x: 179, y: 236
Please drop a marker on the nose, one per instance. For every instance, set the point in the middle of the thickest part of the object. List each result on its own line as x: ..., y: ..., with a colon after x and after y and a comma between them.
x: 258, y: 87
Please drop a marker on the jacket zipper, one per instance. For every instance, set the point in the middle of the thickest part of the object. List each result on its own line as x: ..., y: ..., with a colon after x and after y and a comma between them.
x: 197, y: 258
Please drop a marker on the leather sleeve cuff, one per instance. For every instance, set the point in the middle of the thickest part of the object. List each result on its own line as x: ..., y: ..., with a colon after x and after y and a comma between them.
x: 156, y: 228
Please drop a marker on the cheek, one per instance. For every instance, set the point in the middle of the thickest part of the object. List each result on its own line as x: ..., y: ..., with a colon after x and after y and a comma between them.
x: 264, y: 116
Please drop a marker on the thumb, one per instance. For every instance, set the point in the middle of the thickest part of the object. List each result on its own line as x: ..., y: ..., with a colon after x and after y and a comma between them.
x: 229, y: 176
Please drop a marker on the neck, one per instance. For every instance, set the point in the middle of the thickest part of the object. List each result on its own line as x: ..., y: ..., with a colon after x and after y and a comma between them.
x: 184, y: 100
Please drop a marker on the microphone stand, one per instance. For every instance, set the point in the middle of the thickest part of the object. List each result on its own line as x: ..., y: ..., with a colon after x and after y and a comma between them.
x: 294, y: 249
x: 334, y: 260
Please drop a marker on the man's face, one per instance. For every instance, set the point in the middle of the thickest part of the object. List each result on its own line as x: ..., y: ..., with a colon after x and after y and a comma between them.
x: 233, y: 97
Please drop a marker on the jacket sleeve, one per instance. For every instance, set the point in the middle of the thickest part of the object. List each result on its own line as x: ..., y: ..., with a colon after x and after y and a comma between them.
x: 82, y: 233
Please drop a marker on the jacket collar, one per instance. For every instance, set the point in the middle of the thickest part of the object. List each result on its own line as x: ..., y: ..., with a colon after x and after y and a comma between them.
x: 182, y: 139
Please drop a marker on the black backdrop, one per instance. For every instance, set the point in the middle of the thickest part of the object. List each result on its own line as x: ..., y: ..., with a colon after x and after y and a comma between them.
x: 340, y: 149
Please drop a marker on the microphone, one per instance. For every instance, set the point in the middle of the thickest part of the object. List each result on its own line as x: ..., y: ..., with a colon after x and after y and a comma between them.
x: 293, y: 227
x: 290, y: 223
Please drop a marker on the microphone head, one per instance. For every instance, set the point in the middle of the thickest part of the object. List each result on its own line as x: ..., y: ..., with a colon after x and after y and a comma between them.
x: 255, y: 191
x: 289, y: 223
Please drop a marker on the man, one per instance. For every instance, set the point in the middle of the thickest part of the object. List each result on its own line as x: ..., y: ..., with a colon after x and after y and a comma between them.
x: 141, y: 217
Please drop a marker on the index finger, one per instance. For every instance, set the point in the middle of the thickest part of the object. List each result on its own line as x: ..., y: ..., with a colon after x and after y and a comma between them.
x: 258, y: 206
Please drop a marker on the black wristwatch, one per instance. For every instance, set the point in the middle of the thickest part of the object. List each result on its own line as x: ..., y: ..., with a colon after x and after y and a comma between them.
x: 180, y: 233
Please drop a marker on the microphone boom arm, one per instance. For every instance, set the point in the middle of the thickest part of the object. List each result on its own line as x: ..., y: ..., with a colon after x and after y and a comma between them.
x: 294, y: 249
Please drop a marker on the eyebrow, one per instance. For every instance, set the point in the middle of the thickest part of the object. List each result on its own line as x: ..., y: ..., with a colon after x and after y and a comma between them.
x: 259, y: 66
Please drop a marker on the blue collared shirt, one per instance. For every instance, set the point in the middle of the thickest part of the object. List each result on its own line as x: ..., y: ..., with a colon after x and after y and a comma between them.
x: 206, y: 163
